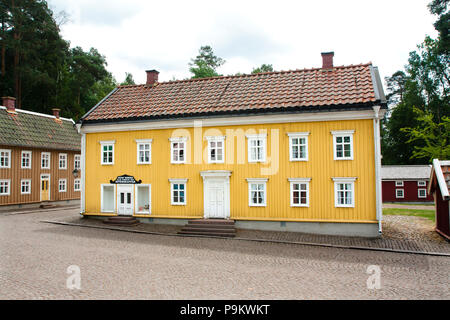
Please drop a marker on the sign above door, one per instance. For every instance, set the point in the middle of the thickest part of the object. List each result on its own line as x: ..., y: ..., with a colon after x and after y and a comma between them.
x: 125, y: 179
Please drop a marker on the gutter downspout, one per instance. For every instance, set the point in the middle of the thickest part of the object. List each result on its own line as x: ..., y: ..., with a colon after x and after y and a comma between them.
x: 376, y: 131
x: 83, y: 167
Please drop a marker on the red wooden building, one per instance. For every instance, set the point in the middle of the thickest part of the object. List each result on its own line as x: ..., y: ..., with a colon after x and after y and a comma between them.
x: 406, y: 183
x: 440, y: 188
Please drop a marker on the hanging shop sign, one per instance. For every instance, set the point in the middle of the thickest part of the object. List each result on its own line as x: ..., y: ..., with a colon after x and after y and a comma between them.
x: 125, y: 179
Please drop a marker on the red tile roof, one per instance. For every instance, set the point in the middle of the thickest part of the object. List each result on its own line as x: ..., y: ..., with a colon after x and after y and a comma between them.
x: 341, y: 86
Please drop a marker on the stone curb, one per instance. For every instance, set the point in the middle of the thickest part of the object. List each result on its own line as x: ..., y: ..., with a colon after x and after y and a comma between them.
x: 441, y: 254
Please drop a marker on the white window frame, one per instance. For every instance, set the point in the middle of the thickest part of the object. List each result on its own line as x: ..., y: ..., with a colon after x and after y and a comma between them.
x: 216, y: 139
x: 179, y: 182
x: 107, y: 143
x: 293, y: 181
x: 343, y: 134
x: 258, y: 181
x: 178, y: 140
x: 49, y: 159
x: 77, y: 159
x: 399, y: 183
x: 298, y: 135
x: 339, y: 181
x: 421, y: 183
x: 143, y: 142
x: 418, y: 193
x: 137, y: 186
x: 256, y: 137
x: 102, y: 206
x: 24, y: 182
x: 30, y: 154
x: 8, y: 181
x: 397, y: 196
x: 7, y: 156
x: 64, y: 184
x: 75, y: 184
x: 62, y: 157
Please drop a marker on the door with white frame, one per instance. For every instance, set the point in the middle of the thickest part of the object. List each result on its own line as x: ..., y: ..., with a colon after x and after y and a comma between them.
x: 125, y: 200
x: 216, y: 185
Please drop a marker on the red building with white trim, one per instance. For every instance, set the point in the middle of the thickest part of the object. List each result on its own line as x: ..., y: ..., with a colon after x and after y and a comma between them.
x: 406, y: 183
x: 440, y: 188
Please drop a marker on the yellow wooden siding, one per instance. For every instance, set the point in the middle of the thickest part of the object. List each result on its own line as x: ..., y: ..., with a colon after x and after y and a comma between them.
x: 320, y: 167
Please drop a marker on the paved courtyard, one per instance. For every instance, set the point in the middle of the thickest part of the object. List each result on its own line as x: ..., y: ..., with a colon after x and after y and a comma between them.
x: 121, y: 265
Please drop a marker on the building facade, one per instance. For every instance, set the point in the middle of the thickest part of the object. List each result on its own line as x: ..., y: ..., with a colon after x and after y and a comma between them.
x: 406, y: 183
x: 295, y: 150
x: 440, y: 188
x: 40, y: 157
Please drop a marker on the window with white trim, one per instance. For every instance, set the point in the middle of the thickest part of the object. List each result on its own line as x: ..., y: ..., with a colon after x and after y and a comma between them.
x: 77, y: 184
x: 298, y: 146
x: 62, y: 185
x: 257, y: 192
x: 344, y: 192
x: 45, y: 160
x: 421, y: 193
x: 178, y: 191
x: 77, y: 162
x: 421, y: 183
x: 62, y: 161
x: 25, y: 186
x: 5, y: 186
x: 343, y: 144
x: 25, y: 161
x: 144, y: 151
x: 216, y: 149
x: 399, y: 183
x: 107, y: 152
x: 257, y: 145
x: 399, y: 193
x: 299, y: 192
x: 108, y: 200
x: 5, y: 158
x: 142, y: 199
x: 178, y: 149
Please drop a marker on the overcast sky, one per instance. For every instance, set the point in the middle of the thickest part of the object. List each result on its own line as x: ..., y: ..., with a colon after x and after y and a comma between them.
x: 137, y: 35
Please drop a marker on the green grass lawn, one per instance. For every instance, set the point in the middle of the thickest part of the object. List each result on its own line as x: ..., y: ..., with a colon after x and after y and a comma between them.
x: 429, y: 214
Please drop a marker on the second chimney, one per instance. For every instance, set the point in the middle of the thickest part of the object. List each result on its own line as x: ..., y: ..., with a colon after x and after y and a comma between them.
x: 152, y: 77
x: 10, y: 104
x: 327, y: 60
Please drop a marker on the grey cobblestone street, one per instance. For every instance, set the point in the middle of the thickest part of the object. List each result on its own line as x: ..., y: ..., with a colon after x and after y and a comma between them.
x: 121, y: 265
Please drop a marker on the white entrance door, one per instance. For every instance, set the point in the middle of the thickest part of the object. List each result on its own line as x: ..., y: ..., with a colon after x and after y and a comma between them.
x: 216, y: 199
x: 125, y: 200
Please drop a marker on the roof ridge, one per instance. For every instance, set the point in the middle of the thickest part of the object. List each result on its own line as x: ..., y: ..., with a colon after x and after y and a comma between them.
x: 247, y: 75
x: 39, y: 114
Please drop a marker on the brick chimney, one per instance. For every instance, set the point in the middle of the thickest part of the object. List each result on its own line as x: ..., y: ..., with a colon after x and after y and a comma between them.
x: 10, y: 104
x: 56, y: 113
x: 327, y: 60
x: 152, y: 77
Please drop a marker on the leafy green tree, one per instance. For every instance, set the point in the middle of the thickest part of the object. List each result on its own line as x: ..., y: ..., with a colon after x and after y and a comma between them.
x: 434, y: 136
x: 128, y: 79
x: 205, y: 64
x: 442, y: 25
x: 263, y: 68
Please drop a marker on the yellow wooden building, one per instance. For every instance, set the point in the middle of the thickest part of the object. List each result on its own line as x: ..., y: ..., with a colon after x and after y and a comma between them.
x: 292, y: 150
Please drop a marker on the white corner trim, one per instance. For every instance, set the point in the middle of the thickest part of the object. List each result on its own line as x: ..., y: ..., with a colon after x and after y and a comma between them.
x: 440, y: 178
